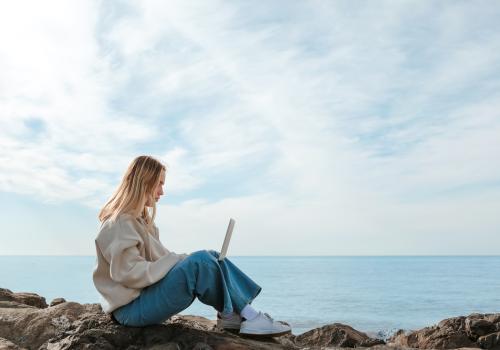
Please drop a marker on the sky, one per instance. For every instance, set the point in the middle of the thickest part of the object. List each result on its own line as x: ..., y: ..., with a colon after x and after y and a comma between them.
x: 322, y: 127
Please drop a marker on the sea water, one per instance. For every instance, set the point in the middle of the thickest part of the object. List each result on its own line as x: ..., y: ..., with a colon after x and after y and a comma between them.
x: 377, y: 295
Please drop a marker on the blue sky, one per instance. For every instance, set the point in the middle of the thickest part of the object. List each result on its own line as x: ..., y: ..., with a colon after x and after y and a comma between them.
x: 323, y: 127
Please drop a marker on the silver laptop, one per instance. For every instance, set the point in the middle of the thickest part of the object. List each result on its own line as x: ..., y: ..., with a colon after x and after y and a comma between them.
x: 229, y: 232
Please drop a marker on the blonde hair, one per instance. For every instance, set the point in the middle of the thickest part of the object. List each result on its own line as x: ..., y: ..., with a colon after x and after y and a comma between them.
x: 140, y: 180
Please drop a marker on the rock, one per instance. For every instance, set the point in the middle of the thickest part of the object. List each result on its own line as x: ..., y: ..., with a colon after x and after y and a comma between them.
x: 8, y: 345
x: 337, y: 334
x: 167, y: 346
x: 433, y: 338
x: 25, y: 324
x: 31, y: 327
x: 473, y: 331
x: 195, y: 322
x: 493, y: 318
x: 23, y: 298
x: 72, y: 325
x: 490, y: 341
x: 202, y: 346
x: 379, y: 347
x: 476, y: 328
x: 13, y: 304
x: 57, y: 301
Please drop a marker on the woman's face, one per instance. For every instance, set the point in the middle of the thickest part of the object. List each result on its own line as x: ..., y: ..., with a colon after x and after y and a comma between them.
x: 158, y: 192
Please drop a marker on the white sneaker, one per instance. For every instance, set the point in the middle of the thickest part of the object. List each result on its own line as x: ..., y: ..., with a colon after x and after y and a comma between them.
x: 230, y: 324
x: 264, y: 325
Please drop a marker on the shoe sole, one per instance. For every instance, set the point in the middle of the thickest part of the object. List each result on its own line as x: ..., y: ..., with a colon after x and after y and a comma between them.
x: 232, y: 330
x: 228, y: 327
x: 261, y: 336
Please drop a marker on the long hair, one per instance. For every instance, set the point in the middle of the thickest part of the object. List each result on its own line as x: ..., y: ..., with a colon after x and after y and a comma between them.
x: 138, y: 184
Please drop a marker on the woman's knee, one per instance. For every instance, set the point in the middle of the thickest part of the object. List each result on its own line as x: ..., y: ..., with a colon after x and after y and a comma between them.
x: 214, y: 253
x: 204, y: 255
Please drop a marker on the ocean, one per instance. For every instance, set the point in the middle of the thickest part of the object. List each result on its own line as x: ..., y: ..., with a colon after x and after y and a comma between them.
x: 377, y: 295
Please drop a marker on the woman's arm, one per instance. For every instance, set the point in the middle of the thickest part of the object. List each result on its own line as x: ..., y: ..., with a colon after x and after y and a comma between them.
x: 127, y: 266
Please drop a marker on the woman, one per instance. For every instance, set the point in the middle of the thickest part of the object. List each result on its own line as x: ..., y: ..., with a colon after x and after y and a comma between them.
x: 143, y: 283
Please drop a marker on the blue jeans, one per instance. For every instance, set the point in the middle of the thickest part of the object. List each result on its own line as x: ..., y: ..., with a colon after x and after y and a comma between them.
x: 217, y: 283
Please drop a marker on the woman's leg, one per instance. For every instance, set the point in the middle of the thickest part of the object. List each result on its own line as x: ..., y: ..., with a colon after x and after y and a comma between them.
x: 242, y: 289
x: 217, y: 283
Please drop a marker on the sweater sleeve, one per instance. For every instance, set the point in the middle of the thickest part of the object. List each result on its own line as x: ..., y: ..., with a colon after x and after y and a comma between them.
x: 128, y: 267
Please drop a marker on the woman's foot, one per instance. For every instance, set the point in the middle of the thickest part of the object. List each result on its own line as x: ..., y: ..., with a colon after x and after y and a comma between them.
x: 230, y: 322
x: 264, y: 326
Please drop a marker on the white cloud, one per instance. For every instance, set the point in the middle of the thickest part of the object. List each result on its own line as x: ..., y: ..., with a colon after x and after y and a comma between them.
x: 181, y: 174
x: 343, y: 123
x: 271, y: 225
x: 53, y: 72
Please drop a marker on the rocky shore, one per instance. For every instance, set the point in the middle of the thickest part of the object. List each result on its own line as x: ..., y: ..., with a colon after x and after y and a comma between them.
x: 27, y: 322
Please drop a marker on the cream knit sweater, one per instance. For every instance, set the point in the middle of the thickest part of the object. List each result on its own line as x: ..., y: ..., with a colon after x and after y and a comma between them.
x: 129, y: 258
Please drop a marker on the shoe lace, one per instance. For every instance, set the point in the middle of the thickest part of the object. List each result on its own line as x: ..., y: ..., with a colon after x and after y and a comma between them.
x: 268, y: 316
x: 272, y: 320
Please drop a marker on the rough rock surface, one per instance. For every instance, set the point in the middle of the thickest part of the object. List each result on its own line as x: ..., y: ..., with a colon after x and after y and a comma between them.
x: 473, y: 331
x: 26, y: 322
x: 23, y: 298
x: 338, y: 335
x: 57, y: 301
x: 8, y: 345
